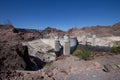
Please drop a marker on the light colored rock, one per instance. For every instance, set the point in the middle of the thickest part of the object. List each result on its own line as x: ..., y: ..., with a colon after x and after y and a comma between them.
x: 94, y: 76
x: 48, y: 57
x: 102, y: 41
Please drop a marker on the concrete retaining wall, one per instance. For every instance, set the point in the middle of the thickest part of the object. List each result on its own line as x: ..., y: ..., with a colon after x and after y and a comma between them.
x: 51, y: 42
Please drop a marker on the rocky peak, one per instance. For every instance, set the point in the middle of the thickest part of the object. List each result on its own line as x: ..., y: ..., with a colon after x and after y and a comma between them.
x: 51, y: 32
x: 117, y: 24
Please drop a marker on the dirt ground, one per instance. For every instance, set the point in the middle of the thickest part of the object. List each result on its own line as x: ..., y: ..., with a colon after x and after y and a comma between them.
x: 71, y: 68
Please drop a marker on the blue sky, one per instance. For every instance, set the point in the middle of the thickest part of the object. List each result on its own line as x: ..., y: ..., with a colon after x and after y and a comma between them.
x: 61, y: 14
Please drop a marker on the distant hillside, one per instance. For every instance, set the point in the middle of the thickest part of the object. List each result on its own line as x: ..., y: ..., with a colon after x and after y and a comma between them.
x: 8, y: 33
x: 28, y: 30
x: 116, y: 29
x: 99, y: 31
x: 51, y: 32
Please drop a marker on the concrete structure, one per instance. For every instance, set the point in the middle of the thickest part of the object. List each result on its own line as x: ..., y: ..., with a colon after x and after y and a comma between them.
x: 51, y: 41
x: 66, y: 46
x: 42, y: 47
x: 99, y: 41
x: 57, y: 44
x: 93, y: 42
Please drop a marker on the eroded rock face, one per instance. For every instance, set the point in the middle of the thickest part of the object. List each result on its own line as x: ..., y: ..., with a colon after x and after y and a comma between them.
x: 9, y: 57
x: 13, y: 57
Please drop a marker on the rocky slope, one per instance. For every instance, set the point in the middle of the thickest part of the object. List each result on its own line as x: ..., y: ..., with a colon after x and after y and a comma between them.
x: 51, y: 32
x: 72, y: 68
x: 99, y: 31
x: 9, y: 33
x: 116, y: 29
x: 12, y: 57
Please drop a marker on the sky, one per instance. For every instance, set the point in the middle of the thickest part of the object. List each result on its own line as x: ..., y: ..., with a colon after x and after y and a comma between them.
x: 61, y: 14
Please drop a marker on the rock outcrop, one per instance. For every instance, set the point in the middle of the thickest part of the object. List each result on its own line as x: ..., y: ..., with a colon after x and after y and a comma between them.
x: 13, y: 57
x: 9, y: 33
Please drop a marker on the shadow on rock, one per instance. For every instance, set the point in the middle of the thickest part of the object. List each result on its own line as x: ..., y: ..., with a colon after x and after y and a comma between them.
x: 35, y: 64
x: 40, y: 64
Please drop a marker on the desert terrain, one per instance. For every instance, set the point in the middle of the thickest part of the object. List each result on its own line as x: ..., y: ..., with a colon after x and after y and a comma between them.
x: 22, y: 51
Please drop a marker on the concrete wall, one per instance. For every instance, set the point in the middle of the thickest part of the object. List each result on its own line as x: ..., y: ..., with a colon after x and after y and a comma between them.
x: 51, y: 42
x: 102, y: 41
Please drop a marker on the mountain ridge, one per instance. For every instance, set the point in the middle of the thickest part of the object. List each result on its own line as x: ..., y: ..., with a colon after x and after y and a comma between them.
x: 9, y: 32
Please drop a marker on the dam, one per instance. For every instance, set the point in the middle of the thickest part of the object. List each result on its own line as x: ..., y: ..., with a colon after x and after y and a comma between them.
x: 47, y: 49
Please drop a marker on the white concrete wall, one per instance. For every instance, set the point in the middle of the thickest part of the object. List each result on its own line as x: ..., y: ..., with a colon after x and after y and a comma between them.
x: 46, y: 44
x: 103, y: 41
x: 51, y: 42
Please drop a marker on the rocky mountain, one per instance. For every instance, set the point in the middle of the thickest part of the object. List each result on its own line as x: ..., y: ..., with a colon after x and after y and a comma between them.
x: 9, y: 33
x: 51, y: 32
x: 99, y: 31
x: 116, y: 29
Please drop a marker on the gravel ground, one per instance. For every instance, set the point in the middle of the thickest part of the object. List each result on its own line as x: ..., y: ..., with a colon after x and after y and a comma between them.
x: 71, y: 68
